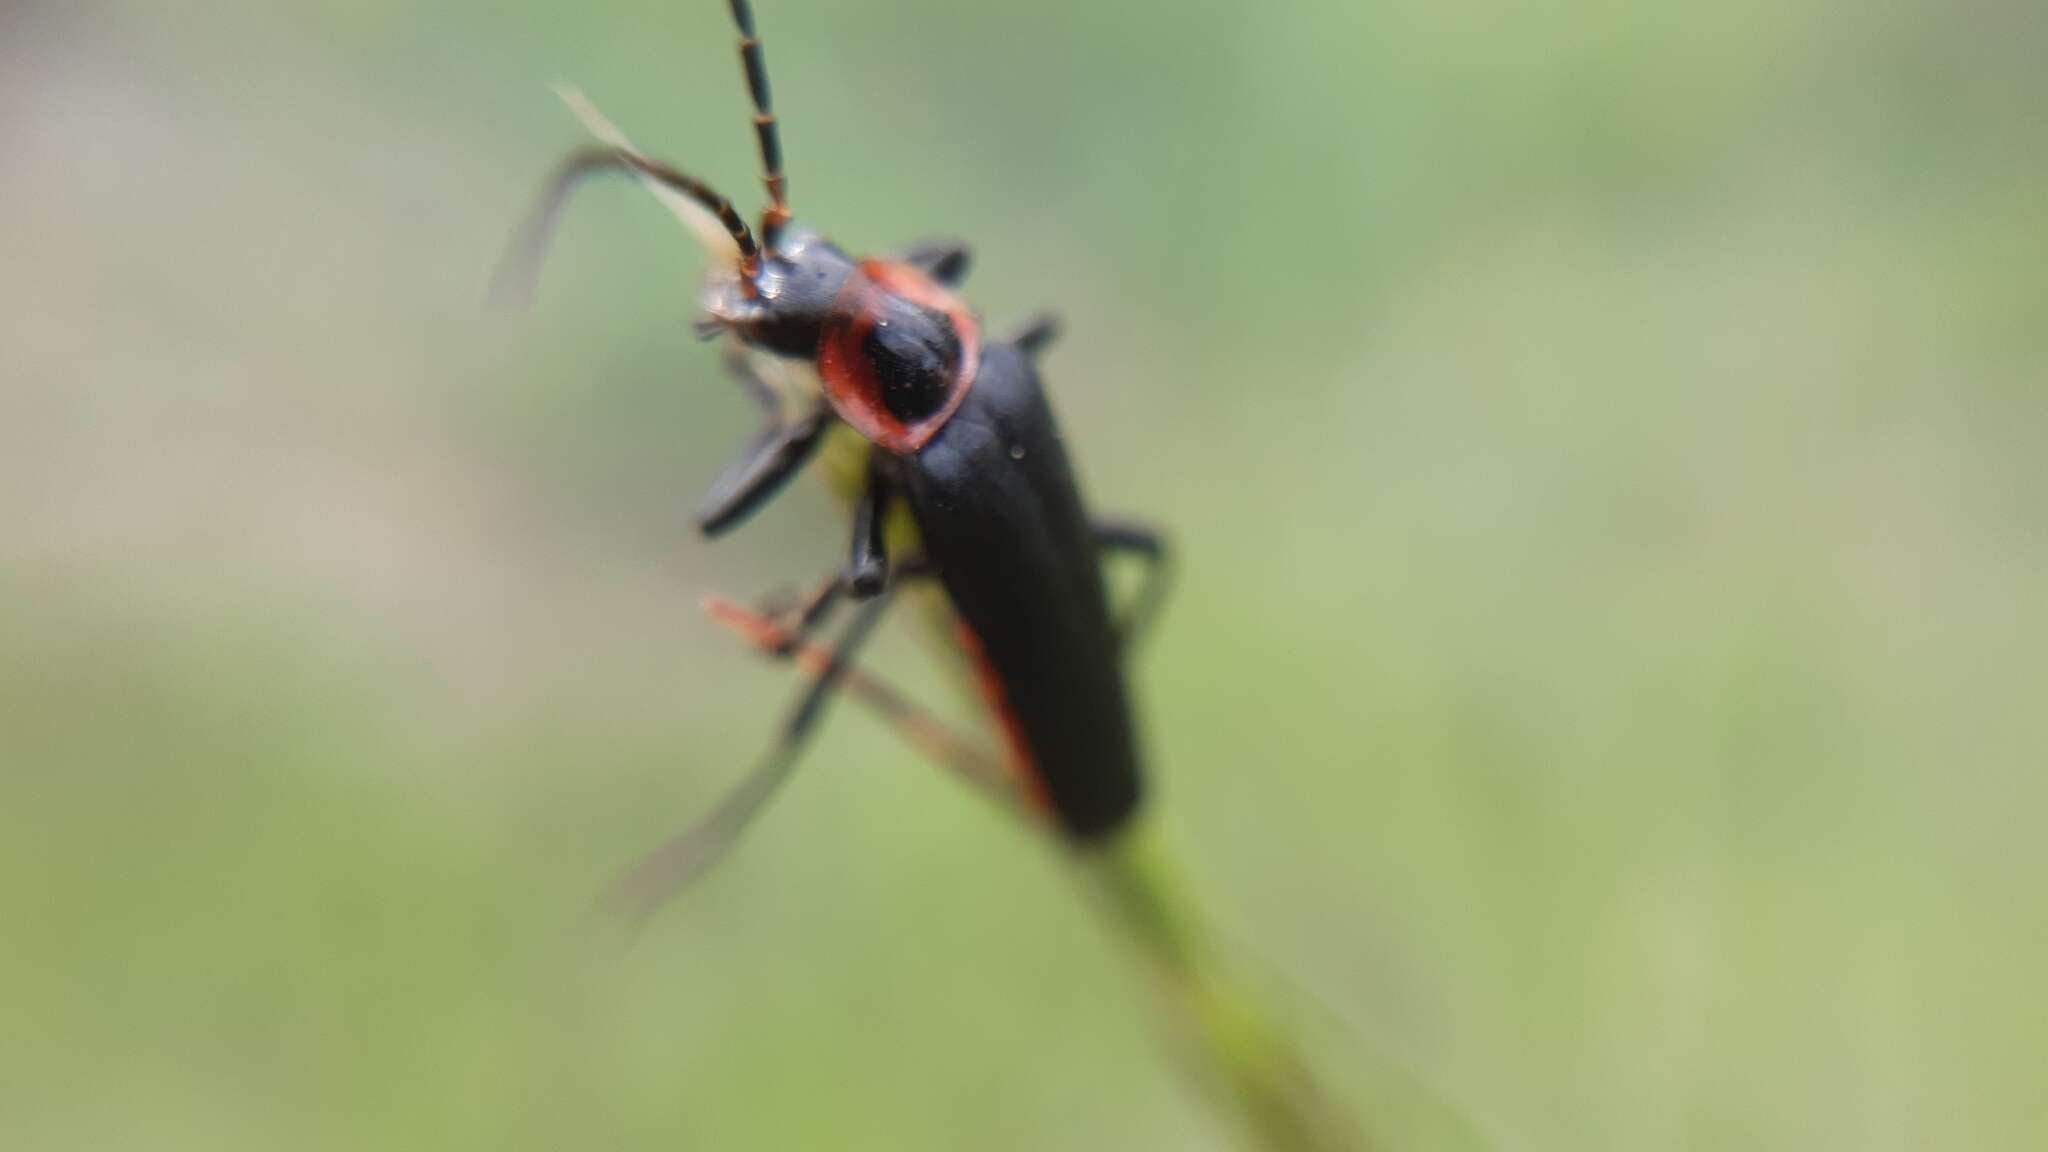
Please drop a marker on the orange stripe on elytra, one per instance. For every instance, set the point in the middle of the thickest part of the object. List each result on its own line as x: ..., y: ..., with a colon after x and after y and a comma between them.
x: 998, y: 700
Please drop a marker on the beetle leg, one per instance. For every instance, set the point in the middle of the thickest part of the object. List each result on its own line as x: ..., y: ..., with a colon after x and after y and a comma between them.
x: 776, y: 453
x: 917, y: 726
x: 867, y: 567
x: 759, y: 390
x: 866, y: 574
x: 687, y: 856
x: 1148, y: 545
x: 796, y: 620
x: 943, y: 260
x: 1036, y: 333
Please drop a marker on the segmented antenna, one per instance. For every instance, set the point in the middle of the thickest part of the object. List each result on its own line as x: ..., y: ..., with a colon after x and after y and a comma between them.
x: 777, y: 212
x: 515, y: 278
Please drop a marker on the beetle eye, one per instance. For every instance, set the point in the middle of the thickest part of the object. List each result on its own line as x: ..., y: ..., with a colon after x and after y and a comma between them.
x: 914, y: 355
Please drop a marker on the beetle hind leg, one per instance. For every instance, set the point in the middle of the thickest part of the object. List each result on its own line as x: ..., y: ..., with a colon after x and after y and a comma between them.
x: 1147, y: 545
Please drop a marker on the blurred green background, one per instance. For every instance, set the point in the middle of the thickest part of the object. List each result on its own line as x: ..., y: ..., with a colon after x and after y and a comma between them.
x: 1605, y: 444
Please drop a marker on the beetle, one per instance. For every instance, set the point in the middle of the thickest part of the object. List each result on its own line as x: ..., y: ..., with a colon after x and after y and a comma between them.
x: 961, y: 434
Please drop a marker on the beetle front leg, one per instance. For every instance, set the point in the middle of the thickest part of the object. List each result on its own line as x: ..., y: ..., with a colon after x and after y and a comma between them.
x: 776, y: 453
x: 779, y: 452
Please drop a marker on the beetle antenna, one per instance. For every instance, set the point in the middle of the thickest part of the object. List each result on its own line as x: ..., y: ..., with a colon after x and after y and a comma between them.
x: 765, y: 126
x: 515, y: 278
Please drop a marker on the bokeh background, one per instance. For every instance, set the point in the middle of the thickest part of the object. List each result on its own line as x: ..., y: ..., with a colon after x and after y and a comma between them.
x: 1604, y: 442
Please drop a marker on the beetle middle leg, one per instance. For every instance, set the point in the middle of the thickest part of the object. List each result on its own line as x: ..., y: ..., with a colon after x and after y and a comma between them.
x: 916, y: 725
x: 796, y: 618
x: 865, y: 576
x: 685, y: 857
x: 867, y: 565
